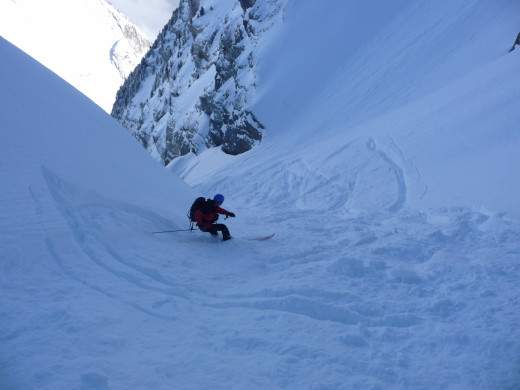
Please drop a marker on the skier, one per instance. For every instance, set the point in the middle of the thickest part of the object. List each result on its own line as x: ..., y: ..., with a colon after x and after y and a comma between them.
x: 207, y: 215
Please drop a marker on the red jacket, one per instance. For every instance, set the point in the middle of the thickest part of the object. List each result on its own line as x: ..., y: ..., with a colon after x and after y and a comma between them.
x: 208, y: 218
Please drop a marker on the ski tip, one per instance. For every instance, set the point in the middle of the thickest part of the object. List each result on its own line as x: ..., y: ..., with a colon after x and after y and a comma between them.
x: 262, y: 238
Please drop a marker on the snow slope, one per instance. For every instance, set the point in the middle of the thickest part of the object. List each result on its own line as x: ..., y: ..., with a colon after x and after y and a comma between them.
x: 88, y: 43
x: 427, y: 89
x: 69, y: 172
x: 371, y: 282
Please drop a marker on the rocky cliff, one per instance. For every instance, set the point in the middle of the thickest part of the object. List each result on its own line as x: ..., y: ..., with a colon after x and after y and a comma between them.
x: 194, y: 88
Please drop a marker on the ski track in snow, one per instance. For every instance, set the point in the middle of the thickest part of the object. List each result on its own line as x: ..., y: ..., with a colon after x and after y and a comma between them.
x: 329, y: 277
x: 379, y: 288
x: 323, y: 303
x: 402, y: 272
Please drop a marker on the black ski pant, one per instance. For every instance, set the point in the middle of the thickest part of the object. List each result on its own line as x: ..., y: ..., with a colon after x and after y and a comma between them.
x: 220, y: 227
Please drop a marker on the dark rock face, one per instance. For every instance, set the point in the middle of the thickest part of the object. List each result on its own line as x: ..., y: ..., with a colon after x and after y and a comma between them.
x: 245, y: 4
x: 242, y: 134
x: 193, y: 89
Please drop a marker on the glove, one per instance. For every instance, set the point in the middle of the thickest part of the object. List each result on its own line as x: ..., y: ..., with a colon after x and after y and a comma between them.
x: 232, y: 215
x: 203, y: 228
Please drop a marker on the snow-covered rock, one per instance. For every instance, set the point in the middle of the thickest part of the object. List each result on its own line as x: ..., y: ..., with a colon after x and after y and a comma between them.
x: 88, y: 43
x: 194, y: 89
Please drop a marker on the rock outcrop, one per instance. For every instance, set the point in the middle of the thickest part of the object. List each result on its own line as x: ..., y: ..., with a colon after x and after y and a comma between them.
x: 194, y: 88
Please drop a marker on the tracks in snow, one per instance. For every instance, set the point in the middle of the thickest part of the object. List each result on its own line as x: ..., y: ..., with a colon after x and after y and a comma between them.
x: 359, y: 287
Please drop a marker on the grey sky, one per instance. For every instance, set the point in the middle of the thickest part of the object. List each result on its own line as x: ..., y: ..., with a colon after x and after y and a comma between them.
x: 149, y: 15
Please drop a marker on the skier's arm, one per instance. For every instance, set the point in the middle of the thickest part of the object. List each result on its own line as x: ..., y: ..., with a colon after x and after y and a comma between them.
x: 220, y: 210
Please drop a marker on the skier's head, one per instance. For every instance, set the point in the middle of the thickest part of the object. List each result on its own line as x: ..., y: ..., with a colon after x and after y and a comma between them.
x: 219, y: 198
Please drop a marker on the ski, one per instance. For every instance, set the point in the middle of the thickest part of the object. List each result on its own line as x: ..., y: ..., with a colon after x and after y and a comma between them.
x: 261, y: 238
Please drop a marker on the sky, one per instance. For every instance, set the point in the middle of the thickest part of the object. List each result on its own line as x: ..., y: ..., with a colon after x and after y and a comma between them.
x: 149, y: 15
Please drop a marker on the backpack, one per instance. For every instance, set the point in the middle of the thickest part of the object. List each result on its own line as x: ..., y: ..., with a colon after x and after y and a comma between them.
x: 197, y: 205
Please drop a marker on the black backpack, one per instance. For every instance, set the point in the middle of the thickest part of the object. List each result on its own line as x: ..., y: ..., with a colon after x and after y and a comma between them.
x: 197, y: 205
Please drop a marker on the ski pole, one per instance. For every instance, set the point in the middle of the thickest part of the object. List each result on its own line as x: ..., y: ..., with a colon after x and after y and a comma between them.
x: 173, y: 231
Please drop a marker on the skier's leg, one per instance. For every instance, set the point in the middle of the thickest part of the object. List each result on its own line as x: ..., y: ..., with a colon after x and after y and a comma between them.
x: 213, y: 230
x: 220, y: 227
x: 225, y: 233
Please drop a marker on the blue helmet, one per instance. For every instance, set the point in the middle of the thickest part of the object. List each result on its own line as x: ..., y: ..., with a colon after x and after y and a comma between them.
x: 219, y: 198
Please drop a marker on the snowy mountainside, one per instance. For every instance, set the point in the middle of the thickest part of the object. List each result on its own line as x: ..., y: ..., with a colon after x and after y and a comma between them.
x: 88, y: 43
x: 374, y: 279
x: 94, y: 155
x: 193, y: 90
x: 421, y: 102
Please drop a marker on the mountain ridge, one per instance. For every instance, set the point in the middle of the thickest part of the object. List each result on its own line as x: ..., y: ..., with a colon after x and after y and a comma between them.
x: 206, y: 53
